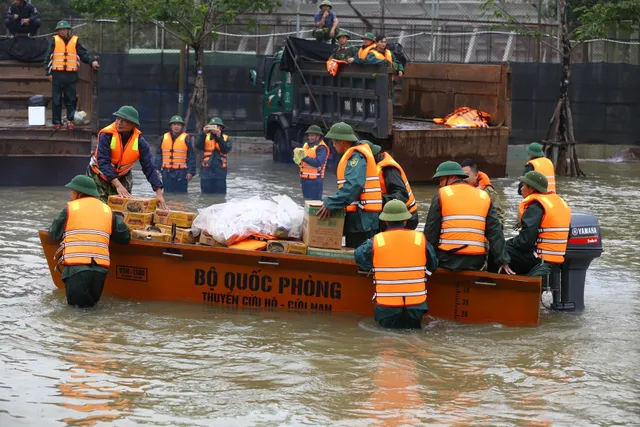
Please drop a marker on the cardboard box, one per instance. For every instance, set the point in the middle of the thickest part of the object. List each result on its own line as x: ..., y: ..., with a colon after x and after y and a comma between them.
x: 344, y: 253
x: 180, y: 219
x: 136, y: 220
x: 133, y: 204
x: 183, y: 235
x: 325, y: 234
x: 286, y: 247
x: 150, y: 236
x: 206, y: 239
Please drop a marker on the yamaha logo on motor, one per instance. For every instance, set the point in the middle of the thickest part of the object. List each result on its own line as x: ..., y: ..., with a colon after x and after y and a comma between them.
x: 584, y: 231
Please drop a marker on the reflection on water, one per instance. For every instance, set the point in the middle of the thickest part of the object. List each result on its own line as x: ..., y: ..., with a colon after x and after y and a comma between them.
x: 127, y: 363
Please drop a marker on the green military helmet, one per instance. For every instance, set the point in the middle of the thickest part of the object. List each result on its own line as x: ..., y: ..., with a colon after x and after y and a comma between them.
x: 535, y: 149
x: 375, y: 149
x: 315, y: 129
x: 325, y: 3
x: 343, y: 33
x: 216, y: 121
x: 176, y: 119
x: 369, y: 36
x: 129, y: 113
x: 83, y: 184
x: 341, y: 132
x: 450, y: 168
x: 535, y: 180
x: 395, y: 211
x: 62, y: 25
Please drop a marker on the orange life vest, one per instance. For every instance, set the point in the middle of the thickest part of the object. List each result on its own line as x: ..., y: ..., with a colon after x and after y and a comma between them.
x: 400, y: 268
x: 174, y: 153
x: 554, y: 227
x: 370, y: 199
x: 466, y: 116
x: 333, y: 65
x: 388, y: 56
x: 122, y: 158
x: 464, y: 219
x: 364, y: 51
x: 210, y: 145
x: 387, y: 161
x: 311, y: 172
x: 483, y: 181
x: 86, y: 233
x: 545, y: 167
x: 65, y: 56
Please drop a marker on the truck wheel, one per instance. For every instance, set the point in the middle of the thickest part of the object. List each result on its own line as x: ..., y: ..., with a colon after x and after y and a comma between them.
x: 282, y: 147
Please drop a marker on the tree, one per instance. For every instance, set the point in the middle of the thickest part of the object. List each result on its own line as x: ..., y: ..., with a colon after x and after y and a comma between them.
x: 193, y: 21
x: 587, y: 19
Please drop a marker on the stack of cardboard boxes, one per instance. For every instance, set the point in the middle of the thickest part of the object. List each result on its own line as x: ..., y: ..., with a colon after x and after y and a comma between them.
x: 324, y: 238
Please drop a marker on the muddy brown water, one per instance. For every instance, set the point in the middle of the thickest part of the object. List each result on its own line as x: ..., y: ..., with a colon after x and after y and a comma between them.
x: 126, y: 363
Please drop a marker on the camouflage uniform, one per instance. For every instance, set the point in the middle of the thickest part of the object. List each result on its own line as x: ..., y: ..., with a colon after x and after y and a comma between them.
x: 344, y: 53
x: 107, y: 189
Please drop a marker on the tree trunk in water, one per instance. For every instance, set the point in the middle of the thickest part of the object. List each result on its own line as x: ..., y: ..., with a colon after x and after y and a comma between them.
x: 197, y: 100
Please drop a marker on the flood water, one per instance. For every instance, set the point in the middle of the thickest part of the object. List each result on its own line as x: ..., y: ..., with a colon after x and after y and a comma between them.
x: 159, y: 364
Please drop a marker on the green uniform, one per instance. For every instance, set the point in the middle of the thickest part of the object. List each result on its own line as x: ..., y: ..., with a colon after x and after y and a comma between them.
x: 496, y: 203
x: 451, y: 261
x: 64, y: 83
x: 360, y: 225
x: 391, y: 317
x: 344, y: 53
x: 84, y: 283
x: 521, y: 247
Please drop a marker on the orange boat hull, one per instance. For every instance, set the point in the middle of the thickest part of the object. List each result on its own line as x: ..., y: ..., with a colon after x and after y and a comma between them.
x: 268, y: 281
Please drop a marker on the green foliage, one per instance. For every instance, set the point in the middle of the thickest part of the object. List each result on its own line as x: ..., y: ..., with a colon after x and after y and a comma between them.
x: 185, y: 18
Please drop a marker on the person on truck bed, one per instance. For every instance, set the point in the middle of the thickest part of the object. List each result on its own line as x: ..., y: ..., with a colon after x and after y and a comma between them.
x: 368, y: 53
x: 381, y: 47
x: 545, y: 220
x: 538, y: 162
x: 216, y: 146
x: 401, y: 260
x: 394, y: 184
x: 326, y: 23
x: 22, y: 18
x: 175, y: 157
x: 313, y: 164
x: 481, y: 181
x: 86, y: 226
x: 358, y: 187
x: 344, y: 51
x: 460, y: 220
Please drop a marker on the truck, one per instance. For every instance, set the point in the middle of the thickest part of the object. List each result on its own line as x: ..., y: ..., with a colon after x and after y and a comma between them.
x: 299, y: 92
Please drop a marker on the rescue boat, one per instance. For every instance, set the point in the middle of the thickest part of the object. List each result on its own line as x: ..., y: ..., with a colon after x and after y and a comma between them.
x: 258, y: 280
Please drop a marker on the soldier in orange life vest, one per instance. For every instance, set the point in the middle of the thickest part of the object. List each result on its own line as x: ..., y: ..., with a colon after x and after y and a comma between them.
x: 175, y: 158
x: 401, y: 260
x: 313, y: 164
x: 460, y: 221
x: 368, y: 53
x: 120, y: 146
x: 62, y: 61
x: 481, y: 181
x: 86, y: 226
x: 544, y: 220
x: 381, y: 47
x: 358, y: 187
x: 216, y: 145
x: 394, y: 184
x: 538, y: 162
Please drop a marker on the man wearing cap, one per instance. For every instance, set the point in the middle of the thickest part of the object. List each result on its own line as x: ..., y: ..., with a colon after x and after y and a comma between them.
x: 175, y: 157
x: 86, y: 226
x: 22, y: 18
x: 401, y: 261
x: 344, y: 51
x: 120, y: 146
x: 544, y: 220
x: 481, y: 181
x: 538, y: 162
x: 215, y: 145
x: 394, y: 184
x: 62, y: 61
x: 461, y: 219
x: 326, y: 22
x: 358, y: 187
x: 368, y: 54
x: 313, y: 164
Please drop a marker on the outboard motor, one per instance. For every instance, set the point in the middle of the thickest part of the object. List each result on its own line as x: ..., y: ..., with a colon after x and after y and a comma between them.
x: 567, y: 280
